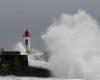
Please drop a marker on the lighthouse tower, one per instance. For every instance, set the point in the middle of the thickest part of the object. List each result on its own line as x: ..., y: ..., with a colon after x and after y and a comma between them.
x: 27, y: 41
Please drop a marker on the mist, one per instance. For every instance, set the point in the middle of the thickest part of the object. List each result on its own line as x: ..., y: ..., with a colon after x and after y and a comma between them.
x: 73, y: 43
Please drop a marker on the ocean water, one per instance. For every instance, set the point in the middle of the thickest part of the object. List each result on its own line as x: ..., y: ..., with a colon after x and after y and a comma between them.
x: 73, y: 43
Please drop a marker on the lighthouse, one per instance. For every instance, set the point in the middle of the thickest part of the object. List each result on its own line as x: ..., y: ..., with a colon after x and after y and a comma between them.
x: 27, y: 41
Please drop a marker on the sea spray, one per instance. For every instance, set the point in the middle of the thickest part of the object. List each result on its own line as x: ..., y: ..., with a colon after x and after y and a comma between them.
x: 74, y: 44
x: 20, y: 47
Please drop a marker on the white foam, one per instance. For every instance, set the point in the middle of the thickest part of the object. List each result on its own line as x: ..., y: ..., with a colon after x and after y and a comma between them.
x: 73, y: 42
x: 30, y: 78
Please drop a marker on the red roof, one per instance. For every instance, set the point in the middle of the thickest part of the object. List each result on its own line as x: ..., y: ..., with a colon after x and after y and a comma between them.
x: 27, y: 33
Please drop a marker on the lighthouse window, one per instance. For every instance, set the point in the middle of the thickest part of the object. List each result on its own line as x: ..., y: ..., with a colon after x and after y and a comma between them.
x: 26, y: 41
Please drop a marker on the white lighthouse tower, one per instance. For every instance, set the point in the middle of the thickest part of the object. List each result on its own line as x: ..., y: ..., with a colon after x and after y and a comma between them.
x: 27, y: 41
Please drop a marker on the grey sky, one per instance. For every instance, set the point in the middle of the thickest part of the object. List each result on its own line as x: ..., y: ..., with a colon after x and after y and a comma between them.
x: 16, y: 15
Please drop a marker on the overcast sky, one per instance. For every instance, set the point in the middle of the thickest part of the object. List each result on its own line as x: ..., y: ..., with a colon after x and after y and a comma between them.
x: 37, y: 15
